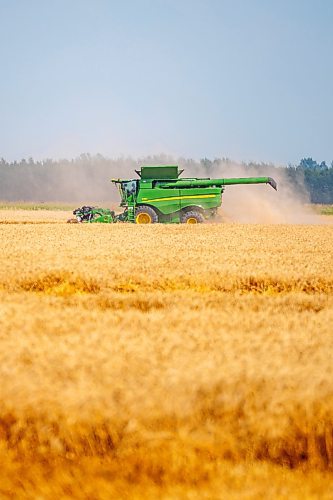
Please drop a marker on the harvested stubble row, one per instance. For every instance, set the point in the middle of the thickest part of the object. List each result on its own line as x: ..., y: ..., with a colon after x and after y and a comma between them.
x: 157, y: 360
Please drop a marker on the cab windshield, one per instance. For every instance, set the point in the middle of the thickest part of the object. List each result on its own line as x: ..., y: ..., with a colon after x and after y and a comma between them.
x: 127, y: 189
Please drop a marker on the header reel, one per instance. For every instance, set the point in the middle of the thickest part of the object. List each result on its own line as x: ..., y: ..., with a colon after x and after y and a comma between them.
x: 93, y: 214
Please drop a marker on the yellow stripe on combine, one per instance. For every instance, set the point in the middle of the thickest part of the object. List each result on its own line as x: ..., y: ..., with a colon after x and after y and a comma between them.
x: 181, y: 197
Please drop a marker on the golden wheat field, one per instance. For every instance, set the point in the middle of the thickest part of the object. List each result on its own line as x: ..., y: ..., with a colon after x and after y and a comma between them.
x: 165, y: 361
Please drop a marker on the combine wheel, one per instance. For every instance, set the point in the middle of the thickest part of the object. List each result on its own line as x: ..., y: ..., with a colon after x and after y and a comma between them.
x: 145, y: 215
x: 192, y: 217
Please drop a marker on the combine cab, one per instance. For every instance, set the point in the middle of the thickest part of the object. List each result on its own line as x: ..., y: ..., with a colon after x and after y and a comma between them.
x: 160, y: 195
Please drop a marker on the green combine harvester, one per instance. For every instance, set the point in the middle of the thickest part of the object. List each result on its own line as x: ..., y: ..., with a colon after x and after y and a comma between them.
x: 159, y: 194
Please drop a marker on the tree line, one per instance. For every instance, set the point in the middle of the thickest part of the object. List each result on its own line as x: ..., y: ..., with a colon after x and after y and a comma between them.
x: 87, y: 177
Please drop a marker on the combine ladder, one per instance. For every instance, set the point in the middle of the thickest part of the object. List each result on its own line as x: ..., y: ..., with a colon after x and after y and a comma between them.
x: 131, y: 213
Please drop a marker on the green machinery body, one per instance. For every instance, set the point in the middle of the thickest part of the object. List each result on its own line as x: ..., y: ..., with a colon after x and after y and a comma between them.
x: 160, y: 195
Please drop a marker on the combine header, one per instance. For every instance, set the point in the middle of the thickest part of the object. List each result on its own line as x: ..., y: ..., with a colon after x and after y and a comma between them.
x: 160, y: 195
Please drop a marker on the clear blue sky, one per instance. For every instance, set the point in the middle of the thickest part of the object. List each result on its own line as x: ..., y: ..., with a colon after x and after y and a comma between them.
x: 247, y: 79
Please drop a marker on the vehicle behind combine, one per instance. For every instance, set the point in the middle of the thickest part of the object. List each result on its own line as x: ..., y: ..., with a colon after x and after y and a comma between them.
x: 159, y: 194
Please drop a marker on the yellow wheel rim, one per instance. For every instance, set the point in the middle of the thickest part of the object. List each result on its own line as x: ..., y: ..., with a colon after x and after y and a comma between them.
x: 143, y: 218
x: 191, y: 220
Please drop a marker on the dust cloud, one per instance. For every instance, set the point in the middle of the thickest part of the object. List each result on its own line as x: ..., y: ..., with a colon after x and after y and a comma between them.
x: 86, y: 180
x: 260, y: 203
